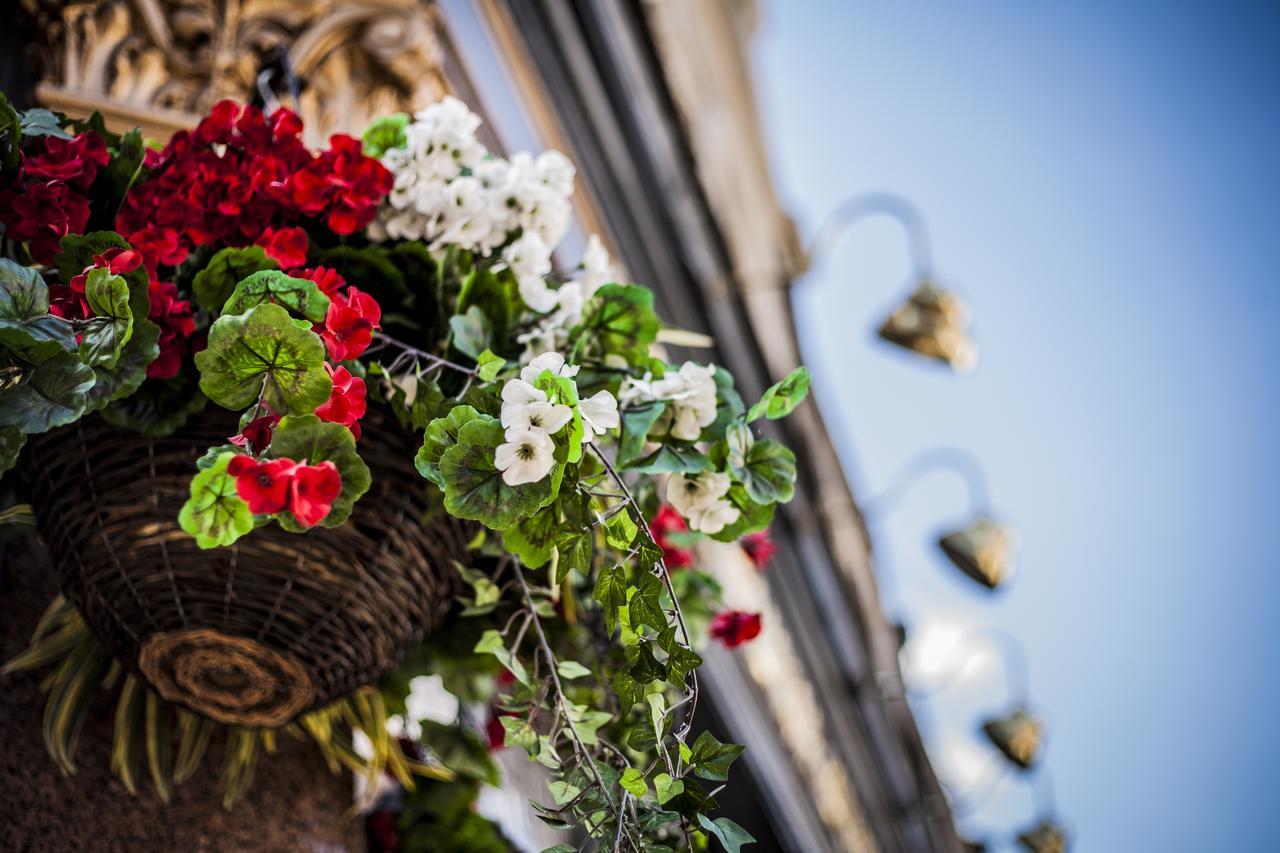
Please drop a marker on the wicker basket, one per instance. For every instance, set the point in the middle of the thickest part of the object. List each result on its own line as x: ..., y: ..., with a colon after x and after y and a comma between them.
x: 271, y: 627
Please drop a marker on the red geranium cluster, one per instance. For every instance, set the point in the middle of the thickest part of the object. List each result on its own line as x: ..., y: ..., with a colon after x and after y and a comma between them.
x: 69, y: 301
x: 240, y: 173
x: 49, y: 199
x: 667, y: 521
x: 759, y: 547
x: 346, y: 405
x: 275, y: 485
x: 735, y: 627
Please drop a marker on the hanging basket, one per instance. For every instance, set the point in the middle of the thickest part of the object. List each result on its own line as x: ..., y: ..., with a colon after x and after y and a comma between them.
x: 275, y: 625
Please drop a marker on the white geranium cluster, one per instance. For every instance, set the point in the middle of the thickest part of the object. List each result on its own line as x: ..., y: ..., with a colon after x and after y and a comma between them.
x: 700, y: 498
x: 530, y: 417
x: 449, y: 190
x: 552, y: 333
x: 691, y: 396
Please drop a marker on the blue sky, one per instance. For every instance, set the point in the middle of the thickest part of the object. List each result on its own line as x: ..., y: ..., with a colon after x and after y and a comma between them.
x: 1101, y: 184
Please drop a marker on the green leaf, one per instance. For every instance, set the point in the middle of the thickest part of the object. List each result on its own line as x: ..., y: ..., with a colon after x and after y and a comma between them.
x: 561, y: 848
x: 307, y: 439
x: 264, y: 349
x: 644, y: 605
x: 728, y: 405
x: 441, y: 434
x: 729, y: 833
x: 571, y: 669
x: 711, y: 758
x: 562, y: 792
x: 657, y: 712
x: 754, y: 516
x: 385, y: 133
x: 563, y: 390
x: 628, y: 690
x: 620, y: 531
x: 666, y: 787
x: 672, y: 458
x: 488, y: 366
x: 491, y: 642
x: 780, y: 399
x: 767, y: 471
x: 27, y: 329
x: 474, y: 488
x: 520, y: 733
x: 301, y: 296
x: 12, y: 440
x: 215, y: 515
x: 646, y: 667
x: 472, y: 332
x: 680, y: 662
x: 159, y: 407
x: 214, y: 284
x: 617, y: 320
x: 52, y: 394
x: 42, y: 122
x: 107, y: 333
x: 632, y: 781
x: 576, y: 551
x: 636, y: 423
x: 490, y: 294
x: 124, y: 167
x: 115, y: 383
x: 533, y: 539
x: 10, y: 135
x: 611, y: 587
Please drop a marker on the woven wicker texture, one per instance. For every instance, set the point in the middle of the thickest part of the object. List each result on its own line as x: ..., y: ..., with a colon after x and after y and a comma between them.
x: 273, y: 626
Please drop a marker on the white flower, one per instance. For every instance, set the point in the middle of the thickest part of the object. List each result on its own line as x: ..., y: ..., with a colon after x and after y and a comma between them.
x: 596, y: 269
x: 517, y: 394
x: 526, y: 457
x: 547, y: 417
x: 552, y: 361
x: 599, y: 413
x: 700, y: 499
x: 691, y: 391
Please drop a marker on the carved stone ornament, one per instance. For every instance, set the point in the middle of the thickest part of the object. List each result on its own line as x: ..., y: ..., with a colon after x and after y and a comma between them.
x: 160, y: 64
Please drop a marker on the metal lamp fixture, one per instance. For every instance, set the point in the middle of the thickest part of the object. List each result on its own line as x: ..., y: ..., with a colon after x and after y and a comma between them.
x: 1019, y: 735
x: 1045, y: 837
x: 932, y: 322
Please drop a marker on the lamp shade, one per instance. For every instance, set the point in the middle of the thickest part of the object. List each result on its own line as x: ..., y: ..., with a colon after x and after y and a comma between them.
x: 1044, y: 837
x: 933, y: 322
x: 983, y: 551
x: 1018, y: 736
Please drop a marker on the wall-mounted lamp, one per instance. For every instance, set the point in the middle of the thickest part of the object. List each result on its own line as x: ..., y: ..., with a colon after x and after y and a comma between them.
x: 1019, y: 735
x: 933, y: 321
x: 983, y: 548
x: 1045, y: 837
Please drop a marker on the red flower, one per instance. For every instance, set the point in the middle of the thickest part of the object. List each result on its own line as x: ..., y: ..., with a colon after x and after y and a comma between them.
x: 343, y: 185
x: 329, y: 281
x: 256, y: 434
x: 41, y: 214
x: 734, y: 627
x: 312, y: 491
x: 177, y: 323
x: 158, y: 246
x: 264, y: 486
x: 349, y: 324
x: 759, y: 548
x: 287, y: 246
x: 69, y: 301
x: 668, y: 520
x: 346, y: 405
x: 74, y: 161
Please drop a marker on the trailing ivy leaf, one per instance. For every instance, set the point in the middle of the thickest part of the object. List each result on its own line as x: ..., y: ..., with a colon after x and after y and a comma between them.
x: 385, y: 133
x: 644, y: 605
x: 562, y: 792
x: 42, y: 122
x: 441, y: 434
x: 301, y: 296
x: 309, y: 440
x: 646, y: 668
x: 666, y: 787
x: 491, y: 642
x: 636, y: 423
x: 617, y: 320
x: 533, y: 539
x: 729, y: 833
x: 632, y: 780
x: 780, y: 399
x: 472, y: 332
x: 520, y: 733
x: 611, y: 587
x: 263, y: 349
x: 214, y: 514
x: 653, y: 819
x: 711, y: 758
x: 571, y: 669
x: 27, y: 329
x: 576, y: 550
x: 754, y: 516
x: 767, y: 471
x: 488, y: 366
x: 680, y: 662
x: 620, y: 531
x: 107, y: 333
x: 159, y: 407
x: 51, y: 394
x: 628, y: 689
x: 461, y: 750
x: 12, y: 440
x: 474, y: 488
x: 214, y: 284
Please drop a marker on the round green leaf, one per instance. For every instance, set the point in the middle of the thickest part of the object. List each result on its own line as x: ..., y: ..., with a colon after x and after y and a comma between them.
x: 214, y: 514
x: 441, y: 434
x: 754, y: 516
x: 264, y: 349
x: 49, y: 395
x: 618, y: 320
x: 533, y: 538
x: 301, y: 296
x: 307, y: 439
x: 767, y: 470
x: 214, y: 284
x: 27, y: 329
x: 473, y: 486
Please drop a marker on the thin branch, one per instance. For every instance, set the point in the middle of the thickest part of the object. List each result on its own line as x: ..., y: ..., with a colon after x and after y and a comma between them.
x: 425, y: 356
